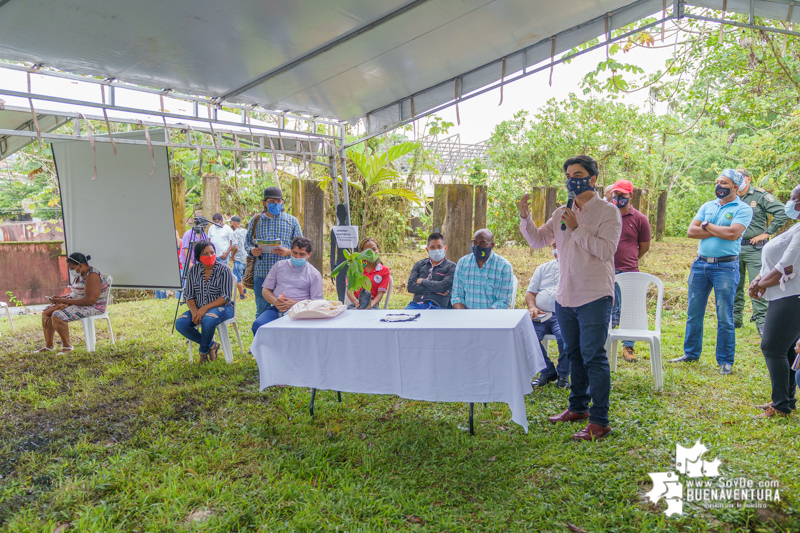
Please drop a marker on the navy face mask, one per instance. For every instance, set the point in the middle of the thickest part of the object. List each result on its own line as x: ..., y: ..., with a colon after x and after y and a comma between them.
x: 621, y: 202
x: 721, y: 192
x: 579, y: 185
x: 481, y: 254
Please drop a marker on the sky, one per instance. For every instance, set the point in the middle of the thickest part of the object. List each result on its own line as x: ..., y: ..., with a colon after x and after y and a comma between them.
x: 481, y: 114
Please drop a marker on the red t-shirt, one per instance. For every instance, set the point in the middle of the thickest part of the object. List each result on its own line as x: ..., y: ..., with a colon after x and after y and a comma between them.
x: 379, y: 278
x: 635, y: 229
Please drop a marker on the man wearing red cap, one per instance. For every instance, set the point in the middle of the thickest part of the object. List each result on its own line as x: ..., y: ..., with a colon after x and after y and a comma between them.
x: 633, y: 244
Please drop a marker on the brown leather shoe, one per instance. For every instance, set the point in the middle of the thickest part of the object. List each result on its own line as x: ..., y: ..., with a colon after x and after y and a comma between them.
x: 628, y: 355
x: 568, y: 416
x: 770, y: 412
x: 764, y: 406
x: 592, y: 432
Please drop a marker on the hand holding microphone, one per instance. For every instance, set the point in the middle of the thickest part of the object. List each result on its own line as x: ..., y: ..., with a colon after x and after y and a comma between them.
x: 568, y: 216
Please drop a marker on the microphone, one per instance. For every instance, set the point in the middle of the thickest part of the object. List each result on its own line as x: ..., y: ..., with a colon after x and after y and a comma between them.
x: 570, y: 201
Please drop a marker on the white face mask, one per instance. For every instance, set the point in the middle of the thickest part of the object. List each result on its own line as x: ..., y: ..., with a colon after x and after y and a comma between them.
x: 555, y: 253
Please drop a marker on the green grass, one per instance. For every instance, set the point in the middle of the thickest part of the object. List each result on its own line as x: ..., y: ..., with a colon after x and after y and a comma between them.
x: 134, y: 438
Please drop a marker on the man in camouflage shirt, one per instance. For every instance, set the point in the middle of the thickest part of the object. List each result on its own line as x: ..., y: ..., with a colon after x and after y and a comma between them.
x: 753, y: 240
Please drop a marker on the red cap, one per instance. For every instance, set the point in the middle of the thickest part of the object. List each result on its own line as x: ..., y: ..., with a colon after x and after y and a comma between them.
x: 623, y: 186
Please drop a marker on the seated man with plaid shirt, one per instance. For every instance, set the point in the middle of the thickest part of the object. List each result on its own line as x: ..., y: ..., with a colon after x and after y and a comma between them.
x: 483, y: 279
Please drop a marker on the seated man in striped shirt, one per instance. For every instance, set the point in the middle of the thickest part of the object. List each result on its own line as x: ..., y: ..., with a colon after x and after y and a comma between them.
x: 483, y: 279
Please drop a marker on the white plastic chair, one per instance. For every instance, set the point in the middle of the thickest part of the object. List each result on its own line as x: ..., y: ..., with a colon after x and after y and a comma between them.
x: 546, y: 342
x: 224, y: 334
x: 633, y: 323
x: 388, y: 294
x: 8, y: 314
x: 89, y: 332
x: 514, y: 294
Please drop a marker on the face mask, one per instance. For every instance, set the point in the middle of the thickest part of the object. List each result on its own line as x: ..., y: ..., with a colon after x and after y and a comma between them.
x: 555, y: 253
x: 208, y: 260
x: 481, y: 254
x: 274, y: 209
x: 436, y: 255
x: 297, y: 262
x: 621, y: 202
x: 791, y: 210
x: 721, y: 192
x: 578, y: 185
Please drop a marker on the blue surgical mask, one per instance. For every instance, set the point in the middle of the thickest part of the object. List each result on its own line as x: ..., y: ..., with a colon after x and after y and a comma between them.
x: 481, y: 254
x: 791, y: 210
x: 274, y: 209
x: 436, y: 255
x: 579, y: 185
x: 297, y: 262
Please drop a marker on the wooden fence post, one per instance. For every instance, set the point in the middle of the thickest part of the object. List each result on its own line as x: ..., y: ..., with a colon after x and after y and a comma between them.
x: 314, y: 219
x: 661, y: 216
x: 550, y: 202
x: 297, y: 207
x: 458, y: 220
x: 481, y: 204
x: 539, y: 205
x: 211, y: 195
x: 439, y: 207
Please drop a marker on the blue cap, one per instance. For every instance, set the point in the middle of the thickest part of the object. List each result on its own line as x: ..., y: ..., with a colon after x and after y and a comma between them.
x: 735, y: 177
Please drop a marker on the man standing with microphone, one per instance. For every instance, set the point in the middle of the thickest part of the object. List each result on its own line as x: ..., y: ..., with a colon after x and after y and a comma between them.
x: 586, y: 234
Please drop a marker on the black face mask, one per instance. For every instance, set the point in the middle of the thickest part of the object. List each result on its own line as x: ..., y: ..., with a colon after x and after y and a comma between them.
x: 721, y: 191
x: 621, y: 202
x: 579, y: 185
x: 481, y: 254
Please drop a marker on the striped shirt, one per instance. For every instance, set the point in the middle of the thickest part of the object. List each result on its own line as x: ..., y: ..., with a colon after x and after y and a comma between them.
x: 218, y: 284
x: 490, y: 287
x: 284, y: 227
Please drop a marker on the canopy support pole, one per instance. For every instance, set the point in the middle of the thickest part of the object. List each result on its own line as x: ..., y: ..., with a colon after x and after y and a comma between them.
x: 343, y: 159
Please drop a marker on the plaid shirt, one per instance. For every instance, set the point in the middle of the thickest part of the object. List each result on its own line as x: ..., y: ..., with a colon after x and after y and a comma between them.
x: 284, y: 227
x: 490, y: 287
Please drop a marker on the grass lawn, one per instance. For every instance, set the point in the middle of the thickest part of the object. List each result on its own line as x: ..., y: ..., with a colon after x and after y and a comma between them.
x: 134, y: 438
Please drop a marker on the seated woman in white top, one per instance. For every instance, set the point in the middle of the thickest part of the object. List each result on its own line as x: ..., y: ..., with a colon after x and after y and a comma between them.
x: 779, y: 283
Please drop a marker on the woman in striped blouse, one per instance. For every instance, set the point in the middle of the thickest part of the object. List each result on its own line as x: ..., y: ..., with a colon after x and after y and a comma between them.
x: 209, y: 295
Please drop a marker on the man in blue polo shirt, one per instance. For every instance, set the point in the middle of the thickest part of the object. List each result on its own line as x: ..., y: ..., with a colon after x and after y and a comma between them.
x: 719, y: 225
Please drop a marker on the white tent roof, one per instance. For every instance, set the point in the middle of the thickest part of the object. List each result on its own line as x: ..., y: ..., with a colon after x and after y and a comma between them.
x: 343, y: 59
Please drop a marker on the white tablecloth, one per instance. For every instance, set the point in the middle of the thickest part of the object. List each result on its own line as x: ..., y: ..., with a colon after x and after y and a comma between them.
x: 443, y: 356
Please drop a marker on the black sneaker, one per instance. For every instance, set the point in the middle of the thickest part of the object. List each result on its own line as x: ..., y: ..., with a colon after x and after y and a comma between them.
x: 541, y: 381
x: 562, y: 383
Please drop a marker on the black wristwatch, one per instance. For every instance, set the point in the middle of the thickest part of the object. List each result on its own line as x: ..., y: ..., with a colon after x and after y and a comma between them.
x: 704, y: 224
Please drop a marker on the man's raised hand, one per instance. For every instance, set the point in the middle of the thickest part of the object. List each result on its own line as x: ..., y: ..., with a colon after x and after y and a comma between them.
x: 524, y: 206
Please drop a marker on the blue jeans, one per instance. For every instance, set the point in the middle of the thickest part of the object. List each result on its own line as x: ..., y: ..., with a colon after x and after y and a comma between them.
x: 261, y: 302
x: 419, y: 305
x: 551, y: 327
x: 209, y: 323
x: 617, y: 309
x: 161, y: 295
x: 238, y: 270
x: 723, y: 278
x: 266, y: 317
x: 585, y: 330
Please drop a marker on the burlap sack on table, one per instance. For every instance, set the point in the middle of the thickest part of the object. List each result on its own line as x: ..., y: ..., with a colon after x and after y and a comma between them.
x: 315, y: 309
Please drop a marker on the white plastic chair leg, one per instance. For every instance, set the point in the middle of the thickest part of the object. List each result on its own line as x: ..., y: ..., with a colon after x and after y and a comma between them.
x: 655, y: 362
x: 546, y: 344
x: 238, y: 337
x: 8, y: 314
x: 225, y: 342
x: 110, y: 331
x: 612, y: 358
x: 89, y: 334
x: 191, y: 357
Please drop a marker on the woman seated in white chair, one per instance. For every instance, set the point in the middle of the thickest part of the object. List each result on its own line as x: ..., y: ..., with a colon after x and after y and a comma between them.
x: 88, y: 297
x: 209, y: 295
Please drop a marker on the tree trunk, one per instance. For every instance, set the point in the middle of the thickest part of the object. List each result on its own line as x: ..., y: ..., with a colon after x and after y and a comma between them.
x: 211, y: 195
x: 177, y: 185
x: 661, y: 216
x: 314, y: 220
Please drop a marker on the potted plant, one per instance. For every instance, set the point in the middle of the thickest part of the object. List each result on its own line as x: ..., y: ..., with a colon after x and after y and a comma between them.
x: 354, y: 262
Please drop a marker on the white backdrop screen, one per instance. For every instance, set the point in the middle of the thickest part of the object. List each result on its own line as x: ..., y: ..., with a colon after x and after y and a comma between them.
x: 123, y: 219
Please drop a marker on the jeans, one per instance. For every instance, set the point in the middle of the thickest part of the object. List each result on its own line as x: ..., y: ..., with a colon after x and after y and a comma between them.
x: 238, y: 270
x: 585, y: 330
x: 723, y: 278
x: 551, y: 327
x: 266, y: 317
x: 781, y: 331
x: 261, y: 302
x: 161, y: 295
x: 209, y: 323
x: 420, y: 305
x: 616, y: 310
